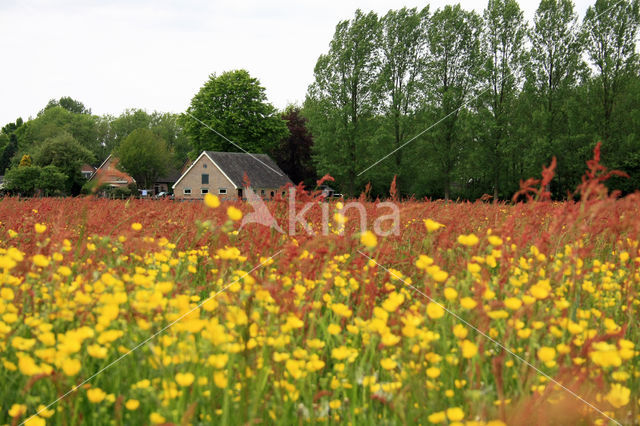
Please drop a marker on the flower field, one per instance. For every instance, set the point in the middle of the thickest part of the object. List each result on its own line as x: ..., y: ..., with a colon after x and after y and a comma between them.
x: 157, y: 312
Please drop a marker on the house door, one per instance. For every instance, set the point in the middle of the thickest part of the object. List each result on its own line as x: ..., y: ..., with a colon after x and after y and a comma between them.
x: 239, y: 192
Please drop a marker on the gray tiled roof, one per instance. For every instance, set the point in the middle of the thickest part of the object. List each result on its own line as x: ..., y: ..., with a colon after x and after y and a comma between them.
x: 262, y: 171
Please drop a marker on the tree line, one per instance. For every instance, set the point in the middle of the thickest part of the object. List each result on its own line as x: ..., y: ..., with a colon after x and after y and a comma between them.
x: 460, y: 104
x: 447, y: 104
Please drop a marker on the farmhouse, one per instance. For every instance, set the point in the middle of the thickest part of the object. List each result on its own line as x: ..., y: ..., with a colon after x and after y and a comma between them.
x: 223, y: 174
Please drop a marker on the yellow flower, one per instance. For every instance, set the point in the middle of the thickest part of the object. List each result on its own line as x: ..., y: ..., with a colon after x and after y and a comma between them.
x: 468, y: 240
x: 438, y: 417
x: 469, y: 349
x: 7, y: 294
x: 335, y: 404
x: 7, y: 263
x: 340, y: 353
x: 334, y: 329
x: 157, y: 419
x: 40, y: 227
x: 341, y: 309
x: 17, y: 410
x: 315, y: 363
x: 432, y: 225
x: 35, y: 421
x: 136, y: 226
x: 460, y: 331
x: 495, y: 240
x: 546, y: 354
x: 234, y: 213
x: 97, y: 351
x: 450, y: 293
x: 539, y: 292
x: 424, y: 262
x: 435, y: 310
x: 433, y: 372
x: 185, y: 379
x: 211, y: 201
x: 388, y: 363
x: 455, y: 414
x: 393, y: 301
x: 96, y: 395
x: 618, y: 396
x: 44, y: 412
x: 132, y: 404
x: 40, y: 260
x: 369, y: 239
x: 512, y: 303
x: 71, y: 367
x: 468, y: 303
x: 220, y: 379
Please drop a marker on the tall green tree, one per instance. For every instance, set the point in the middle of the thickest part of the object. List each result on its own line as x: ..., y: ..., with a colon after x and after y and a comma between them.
x: 403, y: 57
x: 340, y: 102
x: 144, y: 155
x: 232, y: 107
x: 611, y: 28
x: 556, y: 62
x: 67, y: 155
x: 452, y: 79
x: 504, y: 55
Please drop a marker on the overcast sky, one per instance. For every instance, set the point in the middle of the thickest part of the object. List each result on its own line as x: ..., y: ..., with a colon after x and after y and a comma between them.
x: 155, y: 55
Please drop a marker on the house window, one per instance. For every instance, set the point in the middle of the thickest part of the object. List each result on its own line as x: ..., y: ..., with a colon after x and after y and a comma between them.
x: 262, y: 192
x: 187, y: 191
x: 272, y: 194
x: 204, y: 166
x: 204, y: 191
x: 205, y: 179
x: 222, y: 191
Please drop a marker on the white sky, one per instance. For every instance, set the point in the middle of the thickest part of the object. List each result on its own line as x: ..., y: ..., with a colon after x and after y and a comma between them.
x: 155, y: 55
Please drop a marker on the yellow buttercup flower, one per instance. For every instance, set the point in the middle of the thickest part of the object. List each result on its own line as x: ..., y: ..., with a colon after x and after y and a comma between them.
x: 40, y: 260
x: 468, y: 240
x: 432, y: 225
x: 96, y: 395
x: 469, y: 349
x: 136, y: 226
x: 211, y: 201
x: 185, y: 379
x: 435, y: 310
x: 35, y: 420
x: 17, y: 410
x: 132, y: 404
x: 40, y: 227
x: 388, y: 363
x: 546, y: 354
x: 369, y: 239
x: 71, y: 367
x: 455, y: 414
x: 156, y: 418
x: 234, y: 213
x: 618, y: 396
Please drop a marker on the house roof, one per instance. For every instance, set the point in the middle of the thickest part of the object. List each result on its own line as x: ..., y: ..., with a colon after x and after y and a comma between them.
x: 170, y: 177
x: 261, y: 170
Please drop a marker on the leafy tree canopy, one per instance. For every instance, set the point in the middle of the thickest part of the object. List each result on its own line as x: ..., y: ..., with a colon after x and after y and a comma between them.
x: 235, y: 106
x: 68, y: 155
x: 68, y: 103
x: 144, y: 155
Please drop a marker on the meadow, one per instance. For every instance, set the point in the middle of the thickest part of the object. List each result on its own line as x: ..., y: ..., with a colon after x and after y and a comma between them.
x: 158, y: 312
